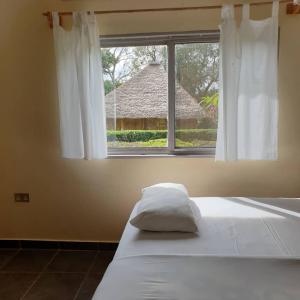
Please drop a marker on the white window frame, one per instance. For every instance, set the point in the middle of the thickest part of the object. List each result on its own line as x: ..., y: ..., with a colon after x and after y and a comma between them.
x: 170, y: 40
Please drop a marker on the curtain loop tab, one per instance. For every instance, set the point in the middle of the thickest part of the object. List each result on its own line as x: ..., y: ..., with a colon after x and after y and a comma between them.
x: 54, y: 18
x: 227, y: 12
x: 275, y: 8
x: 246, y: 11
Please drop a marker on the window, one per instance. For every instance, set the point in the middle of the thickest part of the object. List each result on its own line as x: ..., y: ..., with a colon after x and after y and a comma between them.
x: 161, y: 92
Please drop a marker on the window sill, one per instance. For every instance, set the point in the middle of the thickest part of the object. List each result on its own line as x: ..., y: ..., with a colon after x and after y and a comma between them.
x: 137, y: 156
x: 161, y: 153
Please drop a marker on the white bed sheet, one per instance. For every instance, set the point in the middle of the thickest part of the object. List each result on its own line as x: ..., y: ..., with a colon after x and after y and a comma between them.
x: 229, y: 227
x: 240, y: 228
x: 187, y: 277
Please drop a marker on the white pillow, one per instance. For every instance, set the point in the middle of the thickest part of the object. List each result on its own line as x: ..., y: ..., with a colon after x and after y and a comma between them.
x: 159, y: 186
x: 166, y: 209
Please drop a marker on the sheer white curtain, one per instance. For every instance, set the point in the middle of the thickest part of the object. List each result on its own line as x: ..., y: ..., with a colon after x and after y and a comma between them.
x: 80, y: 88
x: 248, y: 88
x: 226, y: 148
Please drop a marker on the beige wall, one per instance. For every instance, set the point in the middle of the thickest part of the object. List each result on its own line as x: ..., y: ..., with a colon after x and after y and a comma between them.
x: 91, y: 200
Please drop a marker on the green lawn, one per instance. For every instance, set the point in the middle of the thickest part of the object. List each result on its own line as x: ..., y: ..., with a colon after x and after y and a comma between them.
x: 162, y: 143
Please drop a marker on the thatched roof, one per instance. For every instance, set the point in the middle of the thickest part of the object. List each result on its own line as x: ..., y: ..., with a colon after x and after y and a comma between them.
x: 145, y: 95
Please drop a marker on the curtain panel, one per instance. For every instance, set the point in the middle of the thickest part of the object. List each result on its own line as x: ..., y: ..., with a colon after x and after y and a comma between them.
x: 80, y: 88
x: 248, y: 104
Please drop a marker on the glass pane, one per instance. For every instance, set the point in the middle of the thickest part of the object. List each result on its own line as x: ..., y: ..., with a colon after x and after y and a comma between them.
x: 196, y: 94
x: 136, y: 96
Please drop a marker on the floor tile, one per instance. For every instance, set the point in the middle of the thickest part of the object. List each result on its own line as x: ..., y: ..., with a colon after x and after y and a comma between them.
x: 29, y: 261
x: 52, y: 286
x: 108, y: 246
x: 14, y: 285
x: 72, y: 261
x: 5, y: 255
x: 39, y: 244
x: 89, y: 286
x: 9, y: 244
x: 102, y: 261
x: 78, y: 245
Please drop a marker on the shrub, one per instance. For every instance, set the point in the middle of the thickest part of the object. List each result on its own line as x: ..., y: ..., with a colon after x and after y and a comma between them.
x: 187, y: 135
x: 136, y: 135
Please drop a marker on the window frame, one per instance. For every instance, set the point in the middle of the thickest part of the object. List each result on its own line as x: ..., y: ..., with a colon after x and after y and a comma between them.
x: 170, y: 40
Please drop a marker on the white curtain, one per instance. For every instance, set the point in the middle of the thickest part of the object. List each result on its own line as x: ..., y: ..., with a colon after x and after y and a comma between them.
x: 80, y: 88
x: 248, y: 87
x: 226, y: 148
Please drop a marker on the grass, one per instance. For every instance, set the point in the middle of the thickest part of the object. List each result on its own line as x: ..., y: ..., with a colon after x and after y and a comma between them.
x: 162, y: 143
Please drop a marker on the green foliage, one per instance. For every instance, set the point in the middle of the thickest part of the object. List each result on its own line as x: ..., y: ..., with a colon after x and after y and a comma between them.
x: 112, y: 59
x: 210, y: 104
x: 154, y: 143
x: 108, y: 59
x: 186, y: 135
x: 135, y: 135
x: 108, y: 86
x: 210, y: 101
x: 197, y: 68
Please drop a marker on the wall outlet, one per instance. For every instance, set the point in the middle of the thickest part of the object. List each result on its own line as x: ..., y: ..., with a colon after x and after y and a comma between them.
x: 22, y: 197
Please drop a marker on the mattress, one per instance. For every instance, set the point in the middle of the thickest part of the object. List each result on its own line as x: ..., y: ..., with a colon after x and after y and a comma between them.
x: 230, y: 228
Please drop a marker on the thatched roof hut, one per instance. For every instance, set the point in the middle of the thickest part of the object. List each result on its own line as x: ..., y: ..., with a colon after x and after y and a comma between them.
x: 145, y: 97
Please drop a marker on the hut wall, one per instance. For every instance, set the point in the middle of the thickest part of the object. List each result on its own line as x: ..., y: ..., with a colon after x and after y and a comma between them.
x: 186, y: 123
x: 137, y: 124
x: 149, y: 124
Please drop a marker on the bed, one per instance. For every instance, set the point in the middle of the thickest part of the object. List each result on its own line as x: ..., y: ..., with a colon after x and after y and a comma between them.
x: 246, y: 249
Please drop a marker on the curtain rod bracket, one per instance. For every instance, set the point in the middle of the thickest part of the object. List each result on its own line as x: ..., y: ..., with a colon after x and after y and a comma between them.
x: 292, y: 9
x: 49, y: 18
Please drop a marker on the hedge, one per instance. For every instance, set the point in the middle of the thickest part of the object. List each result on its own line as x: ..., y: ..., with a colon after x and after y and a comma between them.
x: 147, y: 135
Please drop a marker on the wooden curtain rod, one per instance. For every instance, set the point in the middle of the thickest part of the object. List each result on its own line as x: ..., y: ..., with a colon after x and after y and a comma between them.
x: 291, y: 9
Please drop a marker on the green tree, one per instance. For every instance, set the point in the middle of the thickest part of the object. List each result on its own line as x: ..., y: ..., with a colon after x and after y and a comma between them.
x: 210, y: 104
x: 144, y: 55
x: 197, y: 68
x: 112, y: 59
x: 108, y: 86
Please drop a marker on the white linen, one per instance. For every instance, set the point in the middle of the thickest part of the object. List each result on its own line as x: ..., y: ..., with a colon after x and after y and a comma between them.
x: 257, y: 98
x: 177, y: 186
x: 219, y: 262
x: 80, y: 88
x: 248, y: 124
x: 226, y: 148
x: 172, y: 277
x: 228, y: 227
x: 166, y: 209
